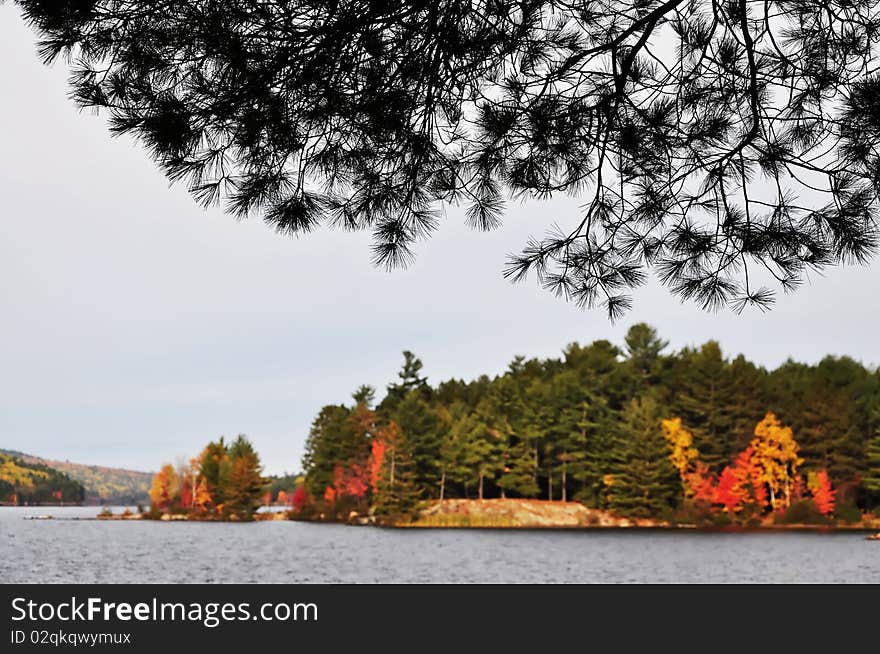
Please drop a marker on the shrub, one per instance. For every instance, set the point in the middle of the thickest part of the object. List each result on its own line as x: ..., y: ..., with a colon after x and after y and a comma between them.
x: 848, y: 512
x: 802, y: 512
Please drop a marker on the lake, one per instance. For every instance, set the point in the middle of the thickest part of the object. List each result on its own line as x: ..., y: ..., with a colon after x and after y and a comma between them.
x: 56, y: 551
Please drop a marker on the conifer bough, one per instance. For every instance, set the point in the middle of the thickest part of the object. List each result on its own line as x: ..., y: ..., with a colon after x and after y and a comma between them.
x: 722, y: 144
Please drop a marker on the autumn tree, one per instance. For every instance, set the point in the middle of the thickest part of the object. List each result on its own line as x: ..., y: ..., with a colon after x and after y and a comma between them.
x: 682, y: 454
x: 165, y: 489
x: 729, y: 491
x: 822, y: 492
x: 776, y: 455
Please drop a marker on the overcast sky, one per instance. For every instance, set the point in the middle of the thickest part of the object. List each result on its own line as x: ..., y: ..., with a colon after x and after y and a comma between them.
x: 135, y: 326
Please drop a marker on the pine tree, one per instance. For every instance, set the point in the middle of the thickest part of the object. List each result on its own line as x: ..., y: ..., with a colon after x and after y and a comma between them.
x: 643, y: 482
x: 424, y: 434
x: 477, y: 453
x: 245, y: 484
x: 411, y: 380
x: 397, y: 494
x: 872, y: 478
x: 643, y: 348
x: 704, y: 393
x: 214, y: 470
x: 517, y: 476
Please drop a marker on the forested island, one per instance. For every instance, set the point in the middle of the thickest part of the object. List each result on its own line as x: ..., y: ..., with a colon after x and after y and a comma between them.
x: 633, y: 434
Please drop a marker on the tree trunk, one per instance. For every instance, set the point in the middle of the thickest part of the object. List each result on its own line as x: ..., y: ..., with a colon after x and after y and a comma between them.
x: 442, y: 484
x: 392, y: 469
x: 564, y: 479
x: 480, y: 495
x: 550, y: 485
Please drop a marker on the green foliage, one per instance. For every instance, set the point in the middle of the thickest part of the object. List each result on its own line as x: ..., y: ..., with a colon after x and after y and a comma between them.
x: 643, y: 482
x: 872, y: 476
x: 802, y: 512
x: 397, y: 493
x: 244, y: 485
x: 848, y: 512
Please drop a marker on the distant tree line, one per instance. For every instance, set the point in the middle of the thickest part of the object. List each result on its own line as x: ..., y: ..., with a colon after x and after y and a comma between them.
x: 633, y: 429
x: 35, y: 483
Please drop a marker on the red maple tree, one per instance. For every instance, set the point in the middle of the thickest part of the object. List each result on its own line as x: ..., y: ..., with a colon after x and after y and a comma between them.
x: 729, y: 492
x: 300, y: 498
x: 823, y: 493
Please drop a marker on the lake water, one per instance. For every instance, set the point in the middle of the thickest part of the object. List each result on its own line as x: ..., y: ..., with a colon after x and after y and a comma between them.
x: 56, y: 551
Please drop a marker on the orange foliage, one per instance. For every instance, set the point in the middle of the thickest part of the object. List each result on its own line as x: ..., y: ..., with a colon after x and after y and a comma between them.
x: 823, y: 493
x: 203, y: 498
x: 377, y: 456
x: 161, y: 490
x: 186, y: 497
x: 729, y: 493
x: 355, y: 482
x: 701, y: 484
x: 282, y: 498
x: 748, y: 475
x: 347, y: 482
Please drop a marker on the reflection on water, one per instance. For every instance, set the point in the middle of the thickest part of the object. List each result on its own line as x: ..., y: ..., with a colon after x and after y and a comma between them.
x: 292, y: 552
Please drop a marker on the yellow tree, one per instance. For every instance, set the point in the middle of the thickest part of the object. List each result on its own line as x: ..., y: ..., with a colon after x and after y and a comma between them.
x: 775, y: 453
x: 202, y: 499
x: 682, y: 453
x: 165, y: 488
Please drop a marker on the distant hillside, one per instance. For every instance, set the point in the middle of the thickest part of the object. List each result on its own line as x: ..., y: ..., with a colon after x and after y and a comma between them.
x: 102, y: 485
x: 32, y: 482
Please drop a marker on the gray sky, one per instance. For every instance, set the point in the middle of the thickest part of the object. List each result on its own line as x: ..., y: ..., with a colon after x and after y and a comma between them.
x: 134, y: 326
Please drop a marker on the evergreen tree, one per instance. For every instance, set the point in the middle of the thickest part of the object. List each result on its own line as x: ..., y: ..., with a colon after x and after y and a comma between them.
x: 364, y: 395
x: 328, y: 444
x: 872, y: 478
x: 214, y: 468
x: 643, y: 348
x: 424, y: 435
x: 518, y: 471
x: 245, y: 484
x: 477, y: 452
x: 643, y: 482
x: 705, y: 391
x: 397, y: 494
x: 411, y: 380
